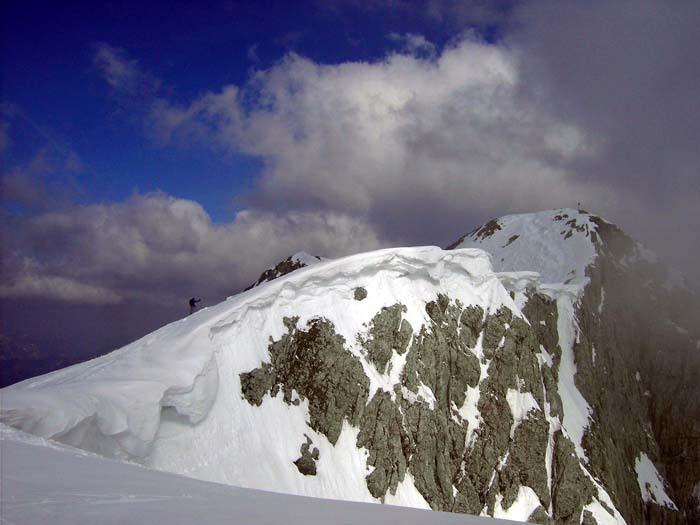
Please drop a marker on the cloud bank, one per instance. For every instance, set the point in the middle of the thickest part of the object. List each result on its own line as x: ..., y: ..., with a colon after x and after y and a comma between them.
x: 159, y: 249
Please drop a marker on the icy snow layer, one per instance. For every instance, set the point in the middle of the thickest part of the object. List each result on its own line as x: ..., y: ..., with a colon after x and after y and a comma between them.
x: 172, y: 400
x: 45, y: 483
x: 651, y: 484
x: 555, y: 243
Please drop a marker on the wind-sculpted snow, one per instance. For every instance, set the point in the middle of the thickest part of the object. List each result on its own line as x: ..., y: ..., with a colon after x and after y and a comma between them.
x: 113, y: 405
x: 172, y: 400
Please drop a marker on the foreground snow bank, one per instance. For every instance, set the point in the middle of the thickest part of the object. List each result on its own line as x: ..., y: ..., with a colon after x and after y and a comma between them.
x: 45, y: 483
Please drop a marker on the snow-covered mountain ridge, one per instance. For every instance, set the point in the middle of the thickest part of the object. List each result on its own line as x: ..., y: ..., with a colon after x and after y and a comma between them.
x: 413, y: 376
x: 636, y: 362
x: 291, y: 263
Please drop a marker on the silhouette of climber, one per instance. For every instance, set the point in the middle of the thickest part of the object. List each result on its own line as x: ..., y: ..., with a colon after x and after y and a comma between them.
x: 193, y: 304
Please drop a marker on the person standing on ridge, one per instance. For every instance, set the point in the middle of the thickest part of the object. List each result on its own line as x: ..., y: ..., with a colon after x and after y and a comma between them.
x: 193, y: 304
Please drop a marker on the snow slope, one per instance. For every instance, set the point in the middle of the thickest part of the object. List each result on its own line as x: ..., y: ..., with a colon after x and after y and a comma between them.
x: 553, y: 252
x: 172, y: 400
x: 557, y: 244
x: 46, y: 483
x: 651, y: 484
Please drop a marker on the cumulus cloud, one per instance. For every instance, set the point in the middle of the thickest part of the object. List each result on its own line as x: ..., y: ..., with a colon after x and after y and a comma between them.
x: 418, y: 146
x: 414, y: 148
x: 158, y: 248
x: 587, y: 102
x: 58, y: 288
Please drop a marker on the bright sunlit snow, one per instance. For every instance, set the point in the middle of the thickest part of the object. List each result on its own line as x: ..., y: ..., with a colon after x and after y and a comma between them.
x: 542, y: 243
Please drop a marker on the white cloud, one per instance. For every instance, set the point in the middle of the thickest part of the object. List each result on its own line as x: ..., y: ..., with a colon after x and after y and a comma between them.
x: 159, y: 248
x: 392, y: 140
x: 414, y: 44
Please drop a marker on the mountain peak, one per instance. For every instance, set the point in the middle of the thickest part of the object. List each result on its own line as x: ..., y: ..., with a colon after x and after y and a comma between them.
x: 559, y: 244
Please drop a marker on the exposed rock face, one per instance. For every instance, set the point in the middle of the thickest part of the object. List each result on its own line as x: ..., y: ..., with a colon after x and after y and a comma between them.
x: 637, y: 369
x: 359, y: 293
x: 388, y: 333
x: 636, y: 355
x: 571, y: 489
x: 291, y: 263
x: 451, y: 421
x: 307, y: 462
x: 382, y: 433
x: 314, y: 365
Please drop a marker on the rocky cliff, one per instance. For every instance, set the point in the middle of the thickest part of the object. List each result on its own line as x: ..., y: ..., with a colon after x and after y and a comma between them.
x: 636, y: 355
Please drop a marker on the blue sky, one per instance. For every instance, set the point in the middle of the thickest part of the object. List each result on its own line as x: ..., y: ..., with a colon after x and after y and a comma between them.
x: 61, y: 100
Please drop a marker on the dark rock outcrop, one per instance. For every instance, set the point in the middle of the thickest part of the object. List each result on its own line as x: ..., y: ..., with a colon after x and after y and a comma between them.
x: 281, y: 268
x: 315, y: 364
x: 405, y: 431
x: 307, y: 462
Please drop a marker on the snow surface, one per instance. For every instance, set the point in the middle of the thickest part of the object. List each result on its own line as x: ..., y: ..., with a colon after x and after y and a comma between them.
x: 520, y: 403
x: 172, y: 400
x: 525, y: 504
x: 307, y: 259
x: 541, y: 252
x: 651, y: 484
x: 47, y: 483
x: 541, y: 245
